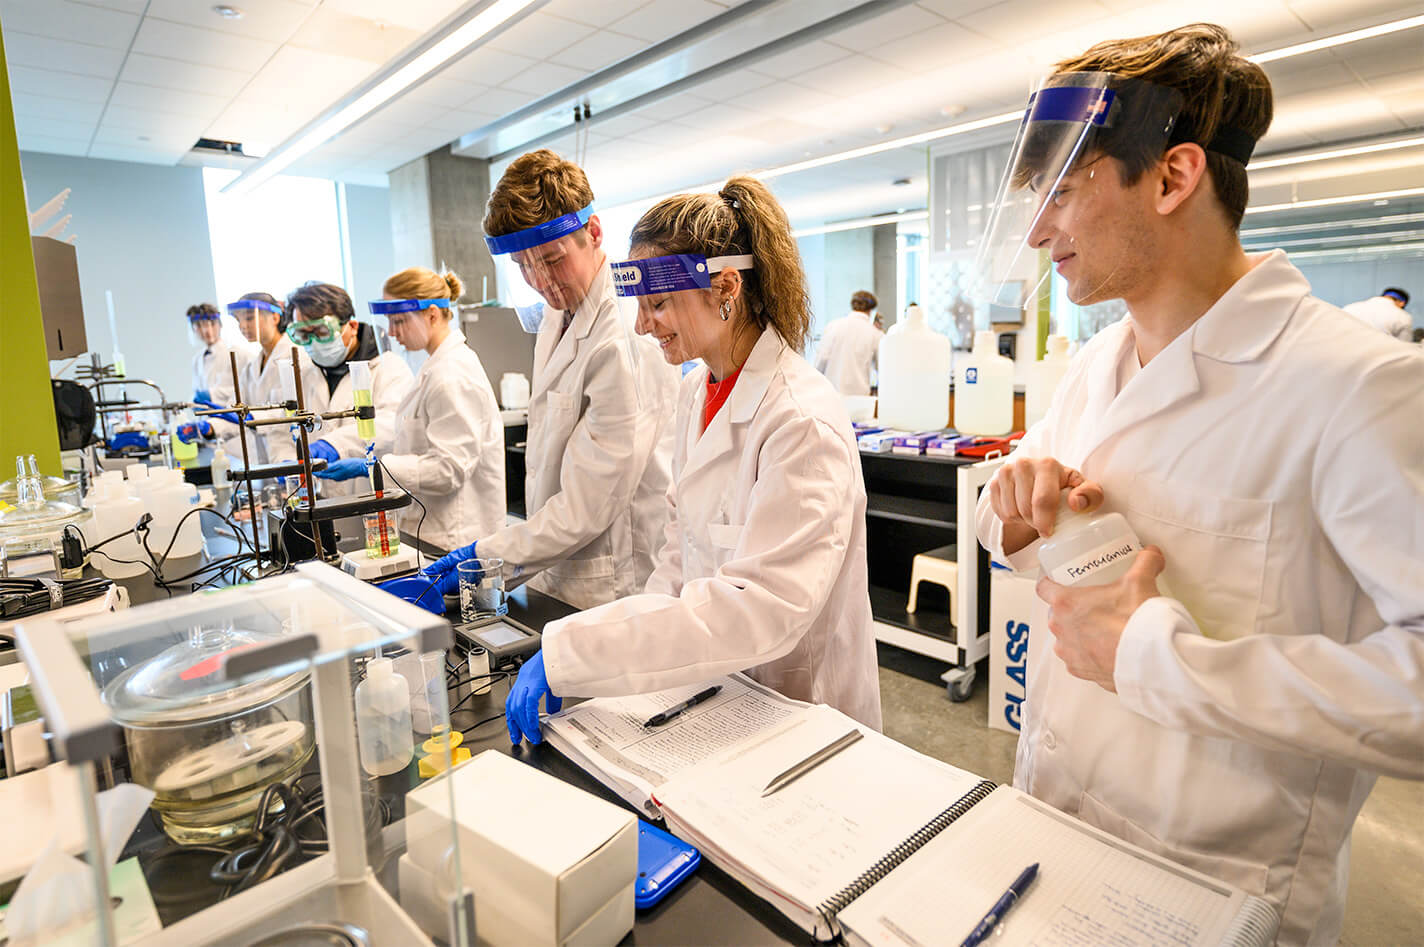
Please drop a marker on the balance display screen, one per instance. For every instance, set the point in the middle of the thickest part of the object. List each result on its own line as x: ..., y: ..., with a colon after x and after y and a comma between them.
x: 500, y: 634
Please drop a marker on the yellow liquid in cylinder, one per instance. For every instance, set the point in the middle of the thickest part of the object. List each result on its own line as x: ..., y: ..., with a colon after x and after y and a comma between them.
x: 185, y: 454
x: 366, y: 429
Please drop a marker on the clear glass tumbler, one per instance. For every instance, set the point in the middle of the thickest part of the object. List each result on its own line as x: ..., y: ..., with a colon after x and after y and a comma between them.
x: 481, y: 588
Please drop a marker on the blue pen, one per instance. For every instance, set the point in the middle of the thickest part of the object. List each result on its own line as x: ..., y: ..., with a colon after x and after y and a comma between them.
x: 1001, y: 907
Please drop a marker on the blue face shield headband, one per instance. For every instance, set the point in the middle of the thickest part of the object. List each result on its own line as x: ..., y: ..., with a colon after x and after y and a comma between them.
x: 235, y: 309
x: 387, y: 307
x: 539, y: 235
x: 205, y: 317
x: 672, y: 274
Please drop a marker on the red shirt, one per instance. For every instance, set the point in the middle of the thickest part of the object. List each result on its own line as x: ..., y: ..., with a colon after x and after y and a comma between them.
x: 717, y: 394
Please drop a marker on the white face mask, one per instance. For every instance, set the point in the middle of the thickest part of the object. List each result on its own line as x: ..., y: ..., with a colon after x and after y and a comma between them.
x: 328, y: 354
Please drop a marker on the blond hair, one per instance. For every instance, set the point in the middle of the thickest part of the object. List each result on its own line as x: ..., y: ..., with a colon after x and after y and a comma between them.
x: 1220, y: 89
x: 419, y: 282
x: 536, y: 188
x: 742, y: 218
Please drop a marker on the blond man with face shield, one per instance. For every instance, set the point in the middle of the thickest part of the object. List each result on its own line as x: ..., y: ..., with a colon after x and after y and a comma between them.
x: 1264, y: 444
x: 600, y: 401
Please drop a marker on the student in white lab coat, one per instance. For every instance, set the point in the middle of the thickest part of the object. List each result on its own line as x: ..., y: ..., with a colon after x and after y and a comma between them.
x: 267, y: 378
x: 601, y: 402
x: 1386, y: 313
x: 1267, y: 446
x: 449, y: 440
x: 212, y: 374
x: 849, y: 346
x: 764, y: 566
x: 324, y: 323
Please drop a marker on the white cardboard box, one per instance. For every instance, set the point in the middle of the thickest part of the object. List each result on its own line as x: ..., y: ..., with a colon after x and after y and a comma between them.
x: 1015, y: 611
x: 548, y: 863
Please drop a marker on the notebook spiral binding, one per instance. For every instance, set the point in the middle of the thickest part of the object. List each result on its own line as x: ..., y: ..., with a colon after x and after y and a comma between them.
x: 833, y: 905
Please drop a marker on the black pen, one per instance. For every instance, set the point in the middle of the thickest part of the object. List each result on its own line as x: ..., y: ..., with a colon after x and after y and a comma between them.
x: 662, y: 717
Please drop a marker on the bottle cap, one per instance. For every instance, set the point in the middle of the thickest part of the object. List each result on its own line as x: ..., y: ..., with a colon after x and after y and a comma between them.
x: 1057, y: 345
x: 378, y: 667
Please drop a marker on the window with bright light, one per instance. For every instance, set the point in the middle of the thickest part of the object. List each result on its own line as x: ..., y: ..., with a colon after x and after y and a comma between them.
x: 272, y: 239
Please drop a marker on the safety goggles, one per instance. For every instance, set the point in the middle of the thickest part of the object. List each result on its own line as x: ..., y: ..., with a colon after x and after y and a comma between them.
x: 305, y: 332
x: 532, y: 266
x: 676, y: 273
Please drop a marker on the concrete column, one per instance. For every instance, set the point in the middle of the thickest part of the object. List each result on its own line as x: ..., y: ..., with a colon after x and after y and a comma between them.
x: 886, y: 270
x: 437, y: 203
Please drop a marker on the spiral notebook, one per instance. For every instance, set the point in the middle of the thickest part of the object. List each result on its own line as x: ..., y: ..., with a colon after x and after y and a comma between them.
x: 886, y: 846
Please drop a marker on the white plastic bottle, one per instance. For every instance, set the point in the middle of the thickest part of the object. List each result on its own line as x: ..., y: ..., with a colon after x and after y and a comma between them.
x: 116, y: 510
x: 915, y: 365
x: 984, y: 389
x: 1043, y: 379
x: 513, y: 391
x: 222, y: 482
x: 1088, y: 548
x: 383, y: 727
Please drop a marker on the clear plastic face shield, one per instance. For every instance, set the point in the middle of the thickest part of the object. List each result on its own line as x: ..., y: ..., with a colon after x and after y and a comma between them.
x: 205, y: 329
x: 539, y: 267
x: 246, y: 312
x: 406, y: 320
x: 677, y: 301
x: 1055, y: 192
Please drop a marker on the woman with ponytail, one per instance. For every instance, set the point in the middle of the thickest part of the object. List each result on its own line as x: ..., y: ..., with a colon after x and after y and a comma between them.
x: 763, y: 569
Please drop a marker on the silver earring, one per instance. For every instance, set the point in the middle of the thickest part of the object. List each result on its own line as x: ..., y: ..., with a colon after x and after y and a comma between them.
x: 726, y: 309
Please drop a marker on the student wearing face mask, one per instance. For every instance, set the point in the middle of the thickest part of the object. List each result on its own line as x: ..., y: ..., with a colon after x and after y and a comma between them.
x: 324, y: 323
x: 449, y: 439
x: 763, y: 569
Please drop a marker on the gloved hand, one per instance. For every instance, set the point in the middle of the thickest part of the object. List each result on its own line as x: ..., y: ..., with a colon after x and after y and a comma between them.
x: 347, y: 468
x: 323, y: 450
x: 521, y: 707
x: 204, y: 398
x: 444, y: 569
x: 128, y: 441
x: 188, y: 433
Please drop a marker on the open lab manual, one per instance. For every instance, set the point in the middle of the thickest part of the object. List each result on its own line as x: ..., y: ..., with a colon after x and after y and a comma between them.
x: 881, y: 844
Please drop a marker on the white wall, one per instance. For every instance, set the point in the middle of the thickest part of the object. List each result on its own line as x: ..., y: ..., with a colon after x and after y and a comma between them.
x: 368, y: 232
x: 142, y: 232
x: 1344, y: 283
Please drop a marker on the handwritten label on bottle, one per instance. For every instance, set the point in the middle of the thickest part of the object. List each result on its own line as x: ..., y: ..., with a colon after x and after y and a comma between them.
x: 1081, y: 570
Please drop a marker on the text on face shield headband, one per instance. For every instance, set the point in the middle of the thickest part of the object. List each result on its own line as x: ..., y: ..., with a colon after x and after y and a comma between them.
x: 672, y: 274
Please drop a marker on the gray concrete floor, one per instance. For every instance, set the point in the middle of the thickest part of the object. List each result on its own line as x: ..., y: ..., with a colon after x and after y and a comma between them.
x: 1385, y: 905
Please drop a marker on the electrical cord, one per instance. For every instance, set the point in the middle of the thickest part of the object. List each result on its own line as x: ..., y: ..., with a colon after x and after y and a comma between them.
x: 21, y: 598
x: 418, y: 523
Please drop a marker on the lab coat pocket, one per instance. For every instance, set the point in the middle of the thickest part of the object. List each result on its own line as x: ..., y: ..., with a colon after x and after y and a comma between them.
x: 1215, y: 547
x: 1241, y: 872
x: 724, y: 538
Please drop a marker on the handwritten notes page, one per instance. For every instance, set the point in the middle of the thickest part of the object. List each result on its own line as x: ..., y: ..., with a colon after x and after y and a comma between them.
x: 1092, y: 890
x: 607, y: 737
x: 809, y: 840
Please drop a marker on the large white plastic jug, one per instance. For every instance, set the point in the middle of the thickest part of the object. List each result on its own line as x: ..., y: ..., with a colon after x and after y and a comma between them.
x: 116, y: 510
x: 513, y: 391
x: 1043, y: 378
x: 984, y: 389
x: 915, y: 364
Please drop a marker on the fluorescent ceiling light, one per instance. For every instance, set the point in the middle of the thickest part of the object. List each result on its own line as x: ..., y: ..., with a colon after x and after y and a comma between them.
x: 1389, y: 238
x: 1346, y: 152
x: 458, y: 36
x: 1329, y: 42
x: 1398, y: 249
x: 1332, y: 201
x: 1389, y: 220
x: 860, y: 222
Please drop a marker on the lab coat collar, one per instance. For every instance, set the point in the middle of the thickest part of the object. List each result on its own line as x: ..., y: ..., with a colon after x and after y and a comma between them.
x: 556, y: 348
x: 703, y: 447
x: 1251, y: 314
x: 452, y: 341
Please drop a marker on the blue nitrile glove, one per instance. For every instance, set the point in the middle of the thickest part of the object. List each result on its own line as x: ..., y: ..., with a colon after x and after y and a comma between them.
x: 444, y: 569
x: 347, y: 468
x: 188, y: 433
x: 128, y: 440
x: 521, y: 707
x: 204, y: 398
x: 324, y: 451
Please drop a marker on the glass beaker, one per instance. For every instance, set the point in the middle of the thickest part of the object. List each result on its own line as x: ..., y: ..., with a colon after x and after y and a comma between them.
x: 481, y: 588
x: 382, y: 534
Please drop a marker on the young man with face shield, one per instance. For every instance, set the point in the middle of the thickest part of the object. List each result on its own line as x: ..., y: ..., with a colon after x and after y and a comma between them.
x: 212, y: 374
x: 600, y: 402
x: 267, y: 376
x: 324, y: 323
x: 763, y: 569
x: 1264, y: 444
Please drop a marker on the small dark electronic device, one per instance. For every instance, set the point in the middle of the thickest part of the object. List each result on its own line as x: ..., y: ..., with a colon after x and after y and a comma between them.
x: 505, y: 639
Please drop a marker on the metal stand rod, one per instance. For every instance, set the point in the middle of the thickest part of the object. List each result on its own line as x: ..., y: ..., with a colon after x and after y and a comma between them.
x: 246, y: 458
x: 305, y: 458
x: 104, y: 913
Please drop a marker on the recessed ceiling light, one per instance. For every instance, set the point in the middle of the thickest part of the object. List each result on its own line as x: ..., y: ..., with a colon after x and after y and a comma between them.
x: 227, y: 12
x: 884, y: 128
x: 951, y: 111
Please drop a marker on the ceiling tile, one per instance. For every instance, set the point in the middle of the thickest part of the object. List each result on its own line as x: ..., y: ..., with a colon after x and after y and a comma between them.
x: 456, y: 122
x: 804, y: 57
x: 139, y: 155
x: 205, y: 47
x: 601, y: 13
x: 43, y: 52
x: 331, y: 31
x: 173, y: 74
x: 664, y: 18
x: 149, y: 120
x: 683, y: 107
x: 539, y: 35
x: 123, y: 6
x: 265, y: 123
x: 1328, y: 15
x: 498, y: 101
x: 1387, y: 55
x: 38, y: 125
x: 928, y: 49
x: 48, y: 107
x: 1309, y: 78
x: 443, y: 91
x: 486, y: 66
x: 886, y: 28
x: 129, y: 138
x: 600, y: 50
x: 133, y: 95
x: 61, y: 19
x: 1015, y: 21
x: 270, y: 20
x: 837, y: 79
x: 417, y: 15
x: 543, y: 78
x: 307, y: 76
x: 54, y: 146
x: 59, y: 85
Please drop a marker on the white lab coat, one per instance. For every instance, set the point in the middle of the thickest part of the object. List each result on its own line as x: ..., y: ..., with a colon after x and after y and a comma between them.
x: 1273, y: 452
x: 764, y: 566
x: 449, y: 448
x: 597, y: 459
x: 847, y: 352
x: 212, y: 372
x: 1381, y: 313
x: 262, y: 384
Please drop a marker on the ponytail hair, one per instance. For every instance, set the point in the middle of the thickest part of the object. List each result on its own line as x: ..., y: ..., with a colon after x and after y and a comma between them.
x: 742, y: 218
x: 419, y: 282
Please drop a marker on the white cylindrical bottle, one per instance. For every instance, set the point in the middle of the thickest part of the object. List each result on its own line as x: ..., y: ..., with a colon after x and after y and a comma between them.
x: 1043, y: 378
x: 383, y: 730
x: 222, y: 482
x: 984, y: 389
x: 915, y: 365
x: 1088, y: 548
